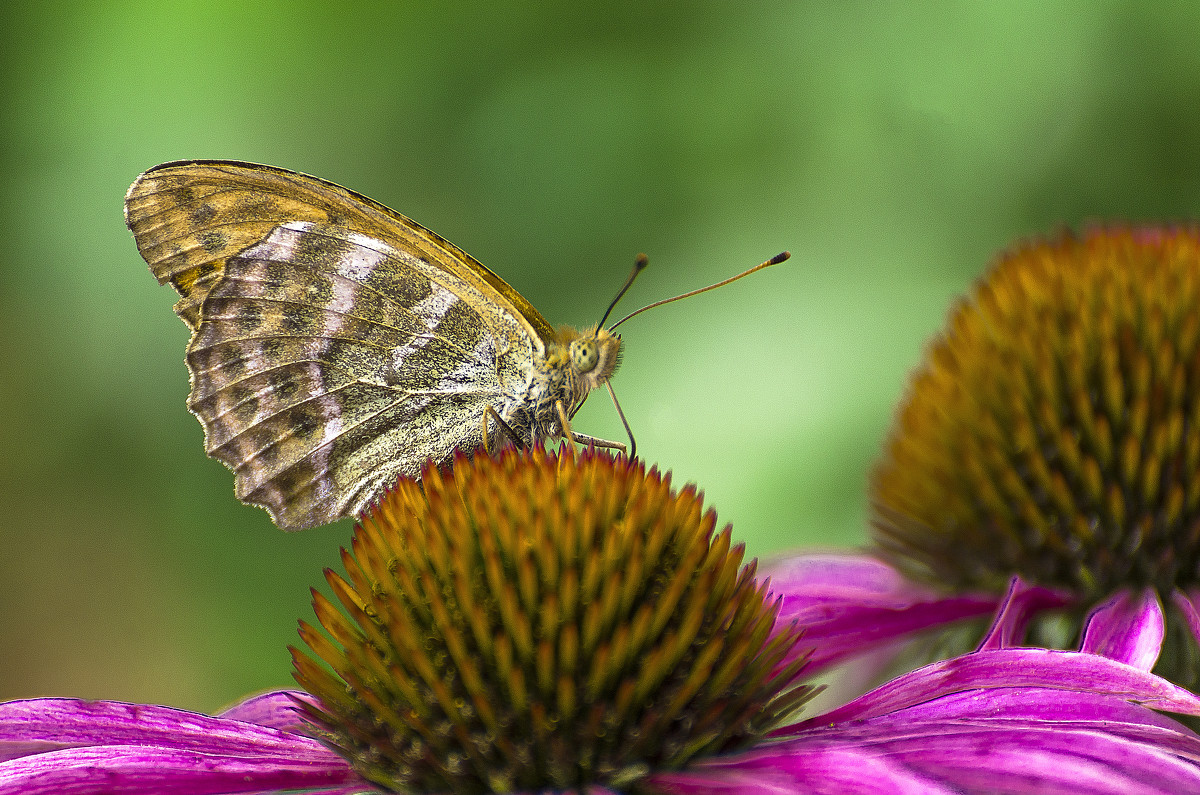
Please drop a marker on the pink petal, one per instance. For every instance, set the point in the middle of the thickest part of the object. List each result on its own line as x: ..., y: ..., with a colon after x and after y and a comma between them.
x: 276, y: 710
x: 1019, y: 741
x: 1128, y: 628
x: 1033, y: 708
x: 1187, y: 603
x: 38, y: 725
x: 849, y: 605
x: 836, y: 771
x: 1020, y: 604
x: 1014, y: 668
x: 137, y: 770
x: 1029, y: 760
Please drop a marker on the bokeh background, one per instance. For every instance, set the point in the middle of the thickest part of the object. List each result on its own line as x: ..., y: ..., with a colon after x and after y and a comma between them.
x: 894, y: 148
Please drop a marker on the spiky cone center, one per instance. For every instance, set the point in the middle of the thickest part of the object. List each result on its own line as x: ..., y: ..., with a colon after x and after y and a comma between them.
x: 1053, y: 430
x: 543, y: 621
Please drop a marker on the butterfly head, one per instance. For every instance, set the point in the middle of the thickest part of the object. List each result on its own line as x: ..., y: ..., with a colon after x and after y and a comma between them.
x: 594, y: 355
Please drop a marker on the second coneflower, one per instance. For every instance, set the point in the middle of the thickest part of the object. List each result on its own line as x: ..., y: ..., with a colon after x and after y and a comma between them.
x: 1053, y: 433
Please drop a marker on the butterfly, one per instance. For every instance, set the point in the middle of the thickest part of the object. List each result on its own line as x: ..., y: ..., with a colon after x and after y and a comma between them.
x: 338, y: 345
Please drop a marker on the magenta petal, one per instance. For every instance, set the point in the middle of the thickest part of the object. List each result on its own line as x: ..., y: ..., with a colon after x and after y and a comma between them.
x: 849, y: 605
x: 276, y: 710
x: 1019, y: 605
x: 833, y: 574
x: 844, y: 771
x: 1128, y: 628
x: 120, y: 769
x: 1041, y: 705
x: 1188, y: 602
x: 39, y: 725
x: 1016, y: 740
x: 1031, y: 707
x: 1014, y: 668
x: 1026, y: 759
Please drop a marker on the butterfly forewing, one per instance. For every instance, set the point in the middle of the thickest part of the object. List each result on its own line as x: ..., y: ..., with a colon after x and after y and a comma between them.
x: 189, y: 217
x: 336, y: 344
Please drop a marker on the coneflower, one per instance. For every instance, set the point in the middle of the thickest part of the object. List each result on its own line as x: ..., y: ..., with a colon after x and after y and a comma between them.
x: 1052, y: 433
x: 550, y: 622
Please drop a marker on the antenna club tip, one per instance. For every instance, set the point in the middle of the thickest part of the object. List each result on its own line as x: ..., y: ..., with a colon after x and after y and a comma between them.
x: 782, y: 256
x: 641, y: 261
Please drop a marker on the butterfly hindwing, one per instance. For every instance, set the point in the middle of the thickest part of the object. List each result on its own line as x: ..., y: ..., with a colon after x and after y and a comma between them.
x: 310, y: 380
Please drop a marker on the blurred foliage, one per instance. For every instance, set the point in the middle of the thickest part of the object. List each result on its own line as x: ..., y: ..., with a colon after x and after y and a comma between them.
x: 894, y: 148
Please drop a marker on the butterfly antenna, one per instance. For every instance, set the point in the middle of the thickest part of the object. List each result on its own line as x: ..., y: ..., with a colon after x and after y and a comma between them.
x: 621, y: 414
x: 775, y: 260
x: 639, y: 265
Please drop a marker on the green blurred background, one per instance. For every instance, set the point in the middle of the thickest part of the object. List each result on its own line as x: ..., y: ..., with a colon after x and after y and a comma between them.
x: 894, y: 148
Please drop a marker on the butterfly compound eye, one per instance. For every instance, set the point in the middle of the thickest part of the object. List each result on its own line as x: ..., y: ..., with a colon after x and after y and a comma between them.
x: 584, y: 355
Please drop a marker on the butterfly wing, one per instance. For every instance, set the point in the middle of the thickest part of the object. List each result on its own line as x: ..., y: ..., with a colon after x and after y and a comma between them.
x: 336, y: 344
x: 189, y: 216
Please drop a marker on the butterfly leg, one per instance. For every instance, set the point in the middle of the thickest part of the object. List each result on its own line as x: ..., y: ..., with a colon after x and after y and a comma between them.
x: 596, y: 441
x: 505, y: 428
x: 583, y: 438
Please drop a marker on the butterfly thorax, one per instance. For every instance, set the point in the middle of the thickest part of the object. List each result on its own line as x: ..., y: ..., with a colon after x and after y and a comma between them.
x: 577, y: 361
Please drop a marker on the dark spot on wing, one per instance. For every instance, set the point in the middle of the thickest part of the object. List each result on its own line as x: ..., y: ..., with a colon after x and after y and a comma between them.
x: 274, y: 348
x: 213, y: 240
x: 284, y: 385
x: 249, y: 316
x: 202, y: 214
x: 305, y: 423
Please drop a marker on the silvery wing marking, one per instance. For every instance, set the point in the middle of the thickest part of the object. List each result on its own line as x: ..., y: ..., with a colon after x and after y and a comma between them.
x: 327, y: 363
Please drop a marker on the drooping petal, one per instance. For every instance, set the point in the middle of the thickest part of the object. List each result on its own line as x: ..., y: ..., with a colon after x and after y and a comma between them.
x: 1009, y: 740
x: 849, y: 605
x: 1074, y: 672
x: 1032, y: 707
x: 40, y: 725
x: 1188, y: 603
x: 276, y: 710
x: 1021, y: 602
x: 136, y: 770
x: 780, y: 771
x: 1128, y: 627
x: 1026, y: 759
